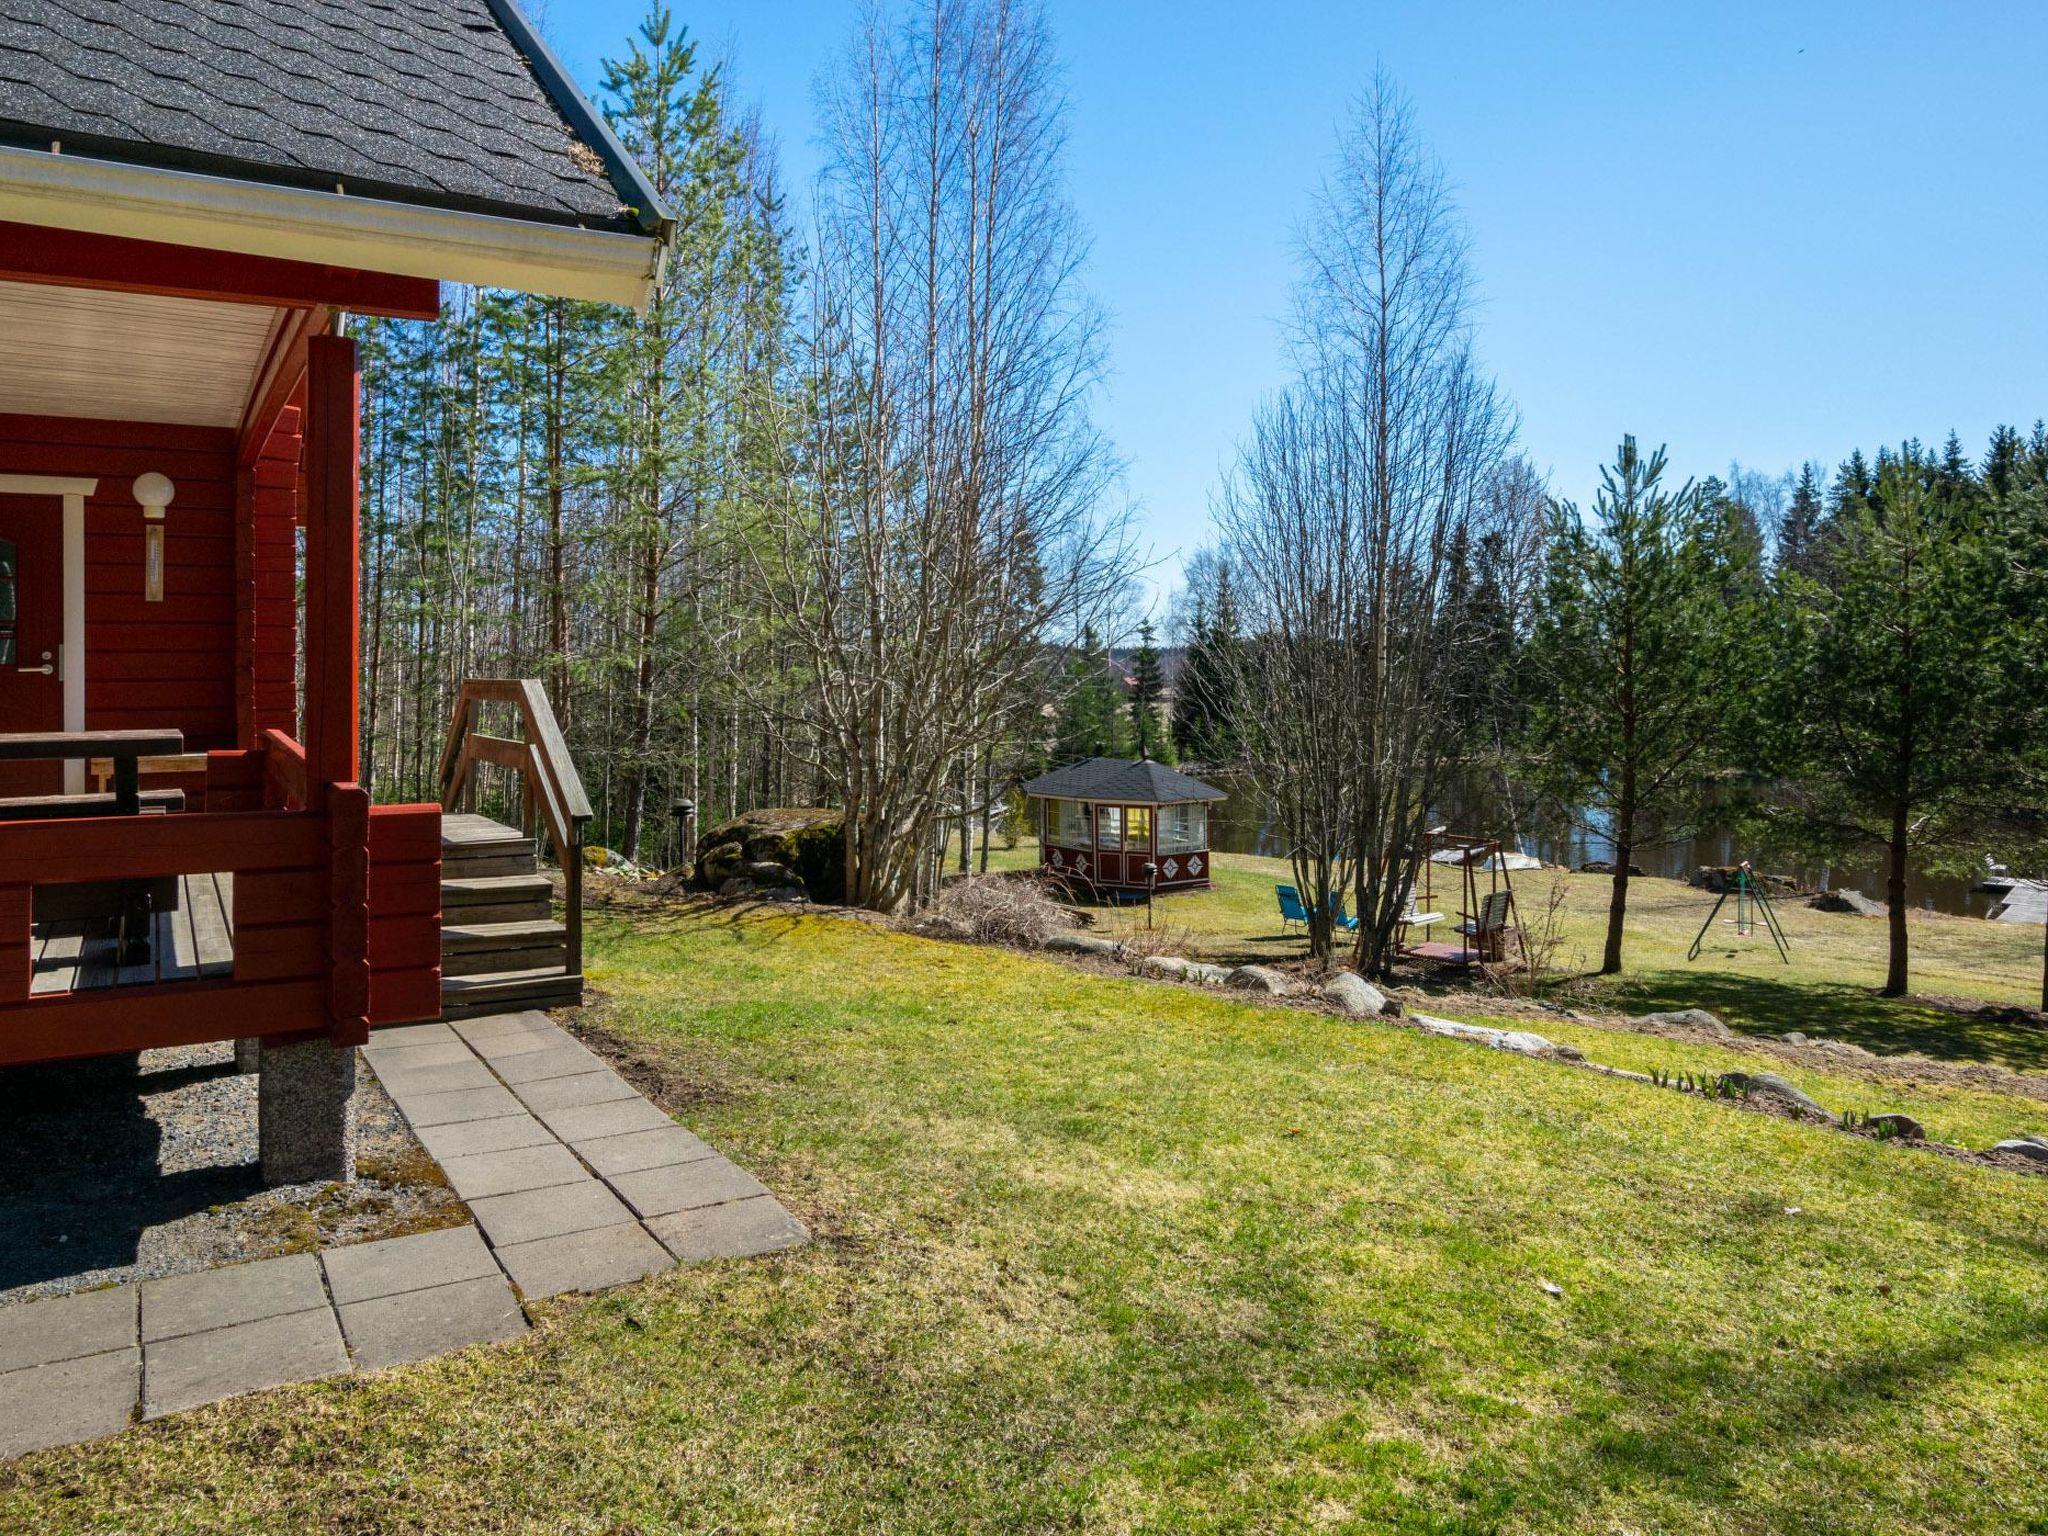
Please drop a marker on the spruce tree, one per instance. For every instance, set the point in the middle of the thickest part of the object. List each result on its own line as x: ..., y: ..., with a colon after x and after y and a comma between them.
x: 2004, y: 462
x: 1629, y: 664
x: 1202, y: 696
x: 1148, y: 686
x: 2037, y: 453
x: 1803, y: 516
x: 1895, y: 676
x: 1855, y: 484
x: 1953, y: 479
x: 1090, y: 721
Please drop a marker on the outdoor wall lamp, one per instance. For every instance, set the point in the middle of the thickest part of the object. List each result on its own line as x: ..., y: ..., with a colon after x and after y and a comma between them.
x: 154, y: 492
x: 686, y: 830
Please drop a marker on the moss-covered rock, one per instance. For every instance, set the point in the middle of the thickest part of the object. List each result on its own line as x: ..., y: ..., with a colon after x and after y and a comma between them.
x: 808, y: 841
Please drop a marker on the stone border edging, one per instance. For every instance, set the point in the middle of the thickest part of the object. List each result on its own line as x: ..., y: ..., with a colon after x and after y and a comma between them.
x: 1351, y: 996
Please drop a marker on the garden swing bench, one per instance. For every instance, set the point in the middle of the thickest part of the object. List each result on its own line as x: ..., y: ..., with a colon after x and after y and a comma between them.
x: 1486, y: 925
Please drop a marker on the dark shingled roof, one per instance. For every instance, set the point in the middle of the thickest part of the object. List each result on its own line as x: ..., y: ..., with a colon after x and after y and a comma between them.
x: 421, y: 101
x: 1117, y: 778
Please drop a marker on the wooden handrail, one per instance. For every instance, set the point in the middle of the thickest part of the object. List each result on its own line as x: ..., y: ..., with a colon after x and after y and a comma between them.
x: 284, y: 764
x: 551, y: 792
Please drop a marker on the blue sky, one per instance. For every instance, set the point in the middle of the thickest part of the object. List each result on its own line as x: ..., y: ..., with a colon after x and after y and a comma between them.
x: 1755, y: 232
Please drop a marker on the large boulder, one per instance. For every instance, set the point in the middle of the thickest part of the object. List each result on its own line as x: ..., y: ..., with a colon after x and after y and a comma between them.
x: 1682, y: 1021
x: 778, y: 848
x: 1355, y: 995
x: 1173, y: 968
x: 1768, y: 1085
x: 1721, y: 877
x: 1082, y: 944
x: 1855, y: 903
x: 2033, y: 1148
x: 1257, y: 978
x: 1519, y: 1041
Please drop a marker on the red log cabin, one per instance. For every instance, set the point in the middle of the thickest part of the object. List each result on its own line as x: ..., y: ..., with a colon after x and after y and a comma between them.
x: 193, y: 198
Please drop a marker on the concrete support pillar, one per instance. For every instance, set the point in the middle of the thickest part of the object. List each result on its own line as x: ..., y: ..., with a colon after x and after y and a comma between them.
x: 305, y: 1113
x: 248, y: 1054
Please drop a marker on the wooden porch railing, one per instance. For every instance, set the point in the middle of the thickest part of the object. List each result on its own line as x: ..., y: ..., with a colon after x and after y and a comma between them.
x: 336, y: 914
x: 551, y: 794
x: 284, y: 772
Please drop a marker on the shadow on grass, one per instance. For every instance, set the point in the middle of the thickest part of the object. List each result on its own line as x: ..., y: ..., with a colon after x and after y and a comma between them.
x: 1675, y: 1435
x: 1891, y: 1026
x: 672, y: 911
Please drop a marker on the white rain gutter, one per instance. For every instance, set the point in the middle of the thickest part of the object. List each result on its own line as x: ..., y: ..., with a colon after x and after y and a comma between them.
x: 333, y: 228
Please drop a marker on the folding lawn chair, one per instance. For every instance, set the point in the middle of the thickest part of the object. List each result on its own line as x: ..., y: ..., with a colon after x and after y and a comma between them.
x: 1291, y: 909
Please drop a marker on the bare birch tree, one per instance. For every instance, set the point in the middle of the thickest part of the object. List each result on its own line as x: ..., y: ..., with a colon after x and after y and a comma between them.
x: 946, y: 521
x: 1356, y: 486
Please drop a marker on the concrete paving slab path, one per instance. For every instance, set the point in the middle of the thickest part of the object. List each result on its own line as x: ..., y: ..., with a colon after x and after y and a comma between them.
x: 554, y: 1151
x: 416, y: 1325
x: 64, y: 1401
x: 416, y: 1263
x: 585, y: 1261
x: 67, y: 1328
x: 196, y: 1368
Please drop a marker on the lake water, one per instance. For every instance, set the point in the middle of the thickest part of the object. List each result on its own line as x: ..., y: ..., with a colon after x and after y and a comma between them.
x: 1242, y: 824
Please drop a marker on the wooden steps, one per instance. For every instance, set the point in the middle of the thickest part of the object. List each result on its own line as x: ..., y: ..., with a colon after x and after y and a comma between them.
x: 478, y: 948
x: 464, y: 997
x: 501, y: 946
x: 496, y: 899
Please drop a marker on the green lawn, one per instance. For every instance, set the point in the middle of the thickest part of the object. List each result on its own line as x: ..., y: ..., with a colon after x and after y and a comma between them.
x: 1830, y: 988
x: 1098, y: 1254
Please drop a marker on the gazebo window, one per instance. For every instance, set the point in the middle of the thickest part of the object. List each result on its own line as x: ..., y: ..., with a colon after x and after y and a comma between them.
x: 1109, y: 826
x: 1183, y: 828
x: 1138, y: 828
x: 1070, y: 827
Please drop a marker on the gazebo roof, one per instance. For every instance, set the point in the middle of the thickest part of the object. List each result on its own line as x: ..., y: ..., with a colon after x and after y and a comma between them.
x: 1139, y: 782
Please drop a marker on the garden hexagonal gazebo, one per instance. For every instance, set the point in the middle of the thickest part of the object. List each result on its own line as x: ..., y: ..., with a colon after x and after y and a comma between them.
x: 1100, y: 822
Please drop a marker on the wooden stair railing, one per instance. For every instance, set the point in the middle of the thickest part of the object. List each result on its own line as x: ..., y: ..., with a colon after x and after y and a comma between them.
x: 551, y: 794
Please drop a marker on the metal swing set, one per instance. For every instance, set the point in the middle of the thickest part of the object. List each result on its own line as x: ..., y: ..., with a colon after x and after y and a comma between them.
x: 1752, y: 909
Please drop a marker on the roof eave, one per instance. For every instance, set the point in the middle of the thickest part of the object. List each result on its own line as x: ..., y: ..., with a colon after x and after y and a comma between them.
x: 369, y: 234
x: 627, y: 178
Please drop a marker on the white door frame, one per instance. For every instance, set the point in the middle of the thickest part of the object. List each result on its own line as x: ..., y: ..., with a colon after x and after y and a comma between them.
x: 71, y: 652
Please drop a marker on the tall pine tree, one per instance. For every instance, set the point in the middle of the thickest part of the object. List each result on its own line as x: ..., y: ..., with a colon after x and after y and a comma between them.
x: 1629, y: 663
x: 1891, y: 690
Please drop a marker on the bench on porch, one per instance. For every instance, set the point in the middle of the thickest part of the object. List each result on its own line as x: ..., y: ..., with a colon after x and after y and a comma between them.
x: 123, y: 750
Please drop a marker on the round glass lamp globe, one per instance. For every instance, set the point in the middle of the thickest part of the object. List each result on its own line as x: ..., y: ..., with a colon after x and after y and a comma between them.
x: 154, y: 491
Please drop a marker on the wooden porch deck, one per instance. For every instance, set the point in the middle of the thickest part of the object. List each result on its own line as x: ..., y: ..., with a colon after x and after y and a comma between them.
x: 195, y: 941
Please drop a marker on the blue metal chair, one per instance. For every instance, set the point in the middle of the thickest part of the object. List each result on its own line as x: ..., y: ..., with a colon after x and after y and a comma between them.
x: 1291, y: 909
x: 1345, y: 922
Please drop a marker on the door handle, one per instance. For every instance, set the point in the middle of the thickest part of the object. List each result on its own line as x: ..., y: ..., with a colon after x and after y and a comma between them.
x: 45, y: 669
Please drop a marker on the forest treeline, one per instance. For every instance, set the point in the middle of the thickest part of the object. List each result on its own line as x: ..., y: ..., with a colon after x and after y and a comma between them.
x: 566, y: 490
x: 830, y: 523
